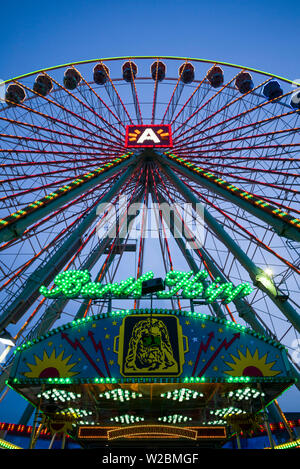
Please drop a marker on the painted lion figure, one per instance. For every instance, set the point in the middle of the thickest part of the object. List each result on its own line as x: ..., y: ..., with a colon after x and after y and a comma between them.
x: 150, y: 346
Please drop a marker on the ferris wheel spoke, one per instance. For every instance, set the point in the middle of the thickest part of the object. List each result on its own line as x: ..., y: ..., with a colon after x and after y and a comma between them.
x: 220, y: 143
x: 84, y: 311
x: 136, y: 102
x: 53, y: 142
x: 45, y: 326
x: 278, y: 186
x: 269, y: 159
x: 158, y: 198
x: 226, y: 85
x: 77, y: 116
x: 142, y: 238
x: 264, y: 183
x: 165, y: 254
x: 118, y: 230
x: 274, y: 200
x: 256, y: 274
x: 108, y: 108
x: 28, y: 215
x: 58, y: 163
x: 176, y: 94
x: 108, y: 125
x: 179, y: 221
x: 238, y: 130
x: 116, y: 100
x: 245, y: 310
x: 220, y: 112
x: 189, y: 101
x: 235, y: 117
x: 103, y: 143
x: 243, y: 198
x: 33, y: 189
x: 45, y: 130
x: 53, y: 123
x: 167, y: 261
x: 155, y: 94
x: 87, y: 305
x: 50, y: 173
x: 230, y: 218
x: 98, y: 156
x: 268, y: 176
x: 65, y: 250
x: 161, y: 220
x: 46, y: 247
x: 33, y: 230
x: 243, y: 229
x: 199, y: 152
x: 65, y: 124
x: 251, y: 169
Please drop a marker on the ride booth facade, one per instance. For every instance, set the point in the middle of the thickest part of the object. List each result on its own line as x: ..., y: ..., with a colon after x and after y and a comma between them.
x: 142, y: 375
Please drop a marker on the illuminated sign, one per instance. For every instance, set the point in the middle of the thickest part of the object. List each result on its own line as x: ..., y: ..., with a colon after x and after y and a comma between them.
x: 148, y: 136
x: 152, y: 431
x: 148, y: 430
x: 78, y: 284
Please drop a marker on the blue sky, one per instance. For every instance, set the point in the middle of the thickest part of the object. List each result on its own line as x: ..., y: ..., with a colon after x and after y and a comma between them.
x: 259, y: 34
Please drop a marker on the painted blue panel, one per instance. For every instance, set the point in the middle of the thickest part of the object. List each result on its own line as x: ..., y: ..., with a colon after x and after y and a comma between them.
x: 166, y: 343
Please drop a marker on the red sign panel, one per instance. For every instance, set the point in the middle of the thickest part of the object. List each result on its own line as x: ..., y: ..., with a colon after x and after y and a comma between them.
x: 148, y: 136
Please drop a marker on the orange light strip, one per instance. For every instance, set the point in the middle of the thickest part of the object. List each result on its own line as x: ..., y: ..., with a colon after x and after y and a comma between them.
x: 152, y: 431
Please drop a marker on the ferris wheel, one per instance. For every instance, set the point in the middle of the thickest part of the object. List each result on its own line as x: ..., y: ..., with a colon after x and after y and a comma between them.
x: 150, y: 131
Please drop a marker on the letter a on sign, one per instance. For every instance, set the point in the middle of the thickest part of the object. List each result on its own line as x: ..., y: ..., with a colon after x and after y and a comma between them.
x: 148, y: 136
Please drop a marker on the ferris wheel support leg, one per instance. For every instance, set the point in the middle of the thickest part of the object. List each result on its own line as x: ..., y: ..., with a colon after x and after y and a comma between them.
x: 192, y: 263
x: 7, y: 315
x: 257, y: 275
x: 44, y: 274
x: 244, y: 310
x: 26, y: 414
x: 213, y: 183
x: 53, y: 312
x: 290, y: 430
x: 34, y: 429
x: 85, y: 304
x: 238, y: 441
x: 105, y: 266
x: 61, y: 196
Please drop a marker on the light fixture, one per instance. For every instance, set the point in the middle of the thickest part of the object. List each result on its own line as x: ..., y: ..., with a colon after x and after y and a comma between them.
x: 269, y: 272
x: 266, y: 283
x: 6, y: 338
x: 265, y: 279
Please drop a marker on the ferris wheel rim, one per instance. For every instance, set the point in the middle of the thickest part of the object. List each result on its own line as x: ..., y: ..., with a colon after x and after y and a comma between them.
x: 147, y: 57
x: 119, y: 80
